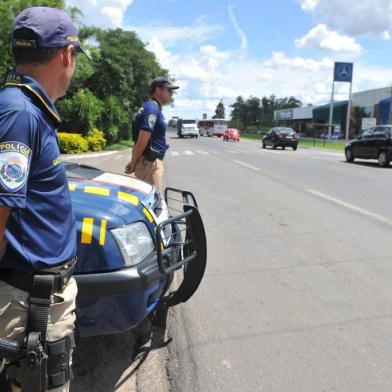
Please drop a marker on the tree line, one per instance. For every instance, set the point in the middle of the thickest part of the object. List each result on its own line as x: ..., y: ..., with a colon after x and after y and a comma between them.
x: 104, y: 92
x: 255, y: 113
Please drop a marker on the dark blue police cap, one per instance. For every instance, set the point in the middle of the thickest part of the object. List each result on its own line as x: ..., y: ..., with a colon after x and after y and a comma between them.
x: 161, y: 81
x: 53, y: 28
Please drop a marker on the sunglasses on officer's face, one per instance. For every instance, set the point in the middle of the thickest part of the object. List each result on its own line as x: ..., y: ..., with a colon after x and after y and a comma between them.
x: 170, y: 90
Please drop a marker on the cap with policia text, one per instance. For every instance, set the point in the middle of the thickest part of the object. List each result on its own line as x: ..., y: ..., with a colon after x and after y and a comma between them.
x: 51, y: 27
x: 161, y: 81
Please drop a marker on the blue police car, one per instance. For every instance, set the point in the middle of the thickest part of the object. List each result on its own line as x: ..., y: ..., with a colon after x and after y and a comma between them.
x: 130, y: 244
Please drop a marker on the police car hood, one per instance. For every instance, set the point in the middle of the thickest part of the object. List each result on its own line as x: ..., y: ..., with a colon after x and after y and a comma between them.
x: 121, y: 199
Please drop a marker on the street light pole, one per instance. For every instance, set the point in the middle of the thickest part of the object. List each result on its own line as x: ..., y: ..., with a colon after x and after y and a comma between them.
x: 331, y: 109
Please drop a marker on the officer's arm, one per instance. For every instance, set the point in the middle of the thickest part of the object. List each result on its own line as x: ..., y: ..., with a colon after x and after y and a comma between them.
x: 138, y: 149
x: 4, y: 214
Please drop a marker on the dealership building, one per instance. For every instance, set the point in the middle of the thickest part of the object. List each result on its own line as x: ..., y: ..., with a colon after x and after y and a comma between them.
x: 375, y: 103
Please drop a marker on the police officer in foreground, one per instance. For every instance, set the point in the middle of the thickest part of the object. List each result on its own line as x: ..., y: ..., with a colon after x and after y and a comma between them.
x: 150, y: 128
x: 37, y: 225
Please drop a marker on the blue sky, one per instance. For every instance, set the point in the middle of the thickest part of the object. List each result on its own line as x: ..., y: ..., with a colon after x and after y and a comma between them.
x: 217, y: 50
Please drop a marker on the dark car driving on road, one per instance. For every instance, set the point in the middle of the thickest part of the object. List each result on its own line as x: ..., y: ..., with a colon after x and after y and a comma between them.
x: 281, y: 137
x: 374, y: 143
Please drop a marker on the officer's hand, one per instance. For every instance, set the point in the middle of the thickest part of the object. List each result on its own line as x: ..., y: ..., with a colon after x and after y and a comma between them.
x: 130, y: 168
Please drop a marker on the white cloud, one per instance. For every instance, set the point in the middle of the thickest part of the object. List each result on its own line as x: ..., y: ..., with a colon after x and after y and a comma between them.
x: 102, y: 13
x: 355, y: 18
x: 310, y: 80
x: 173, y: 35
x: 279, y: 61
x: 114, y: 14
x: 241, y: 34
x: 321, y: 37
x: 207, y: 74
x: 164, y: 56
x: 309, y: 5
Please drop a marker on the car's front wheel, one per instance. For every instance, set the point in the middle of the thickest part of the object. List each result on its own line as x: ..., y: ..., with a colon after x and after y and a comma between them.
x: 294, y: 148
x: 349, y: 155
x: 263, y: 145
x: 383, y: 159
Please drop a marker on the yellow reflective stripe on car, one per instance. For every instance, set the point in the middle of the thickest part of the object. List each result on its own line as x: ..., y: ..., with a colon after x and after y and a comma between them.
x: 102, y: 233
x: 97, y: 190
x: 128, y: 198
x: 71, y: 187
x: 148, y: 215
x: 87, y: 231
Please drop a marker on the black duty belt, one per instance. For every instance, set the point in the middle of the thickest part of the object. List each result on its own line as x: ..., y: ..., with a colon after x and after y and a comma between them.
x: 24, y: 280
x: 151, y: 156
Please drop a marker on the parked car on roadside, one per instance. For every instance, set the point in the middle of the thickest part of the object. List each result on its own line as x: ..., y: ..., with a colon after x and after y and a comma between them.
x: 129, y: 246
x: 231, y: 134
x: 280, y: 137
x: 374, y: 143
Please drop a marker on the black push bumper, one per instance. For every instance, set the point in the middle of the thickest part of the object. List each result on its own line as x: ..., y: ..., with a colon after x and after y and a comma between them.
x: 186, y: 250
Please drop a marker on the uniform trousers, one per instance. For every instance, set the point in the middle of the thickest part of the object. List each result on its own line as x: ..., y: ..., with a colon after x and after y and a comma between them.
x: 14, y: 311
x: 151, y: 172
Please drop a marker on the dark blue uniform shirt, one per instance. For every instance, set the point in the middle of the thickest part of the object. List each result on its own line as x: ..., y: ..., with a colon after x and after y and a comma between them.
x: 152, y: 120
x: 41, y: 229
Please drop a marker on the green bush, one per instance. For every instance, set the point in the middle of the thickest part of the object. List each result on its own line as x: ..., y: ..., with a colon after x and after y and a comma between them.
x: 72, y: 143
x: 111, y: 134
x: 80, y: 112
x: 95, y: 140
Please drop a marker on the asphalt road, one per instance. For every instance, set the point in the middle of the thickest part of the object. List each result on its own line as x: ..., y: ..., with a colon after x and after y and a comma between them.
x: 298, y: 289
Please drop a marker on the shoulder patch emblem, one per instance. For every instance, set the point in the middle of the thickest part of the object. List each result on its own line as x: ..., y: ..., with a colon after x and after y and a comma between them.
x: 14, y: 165
x: 152, y: 119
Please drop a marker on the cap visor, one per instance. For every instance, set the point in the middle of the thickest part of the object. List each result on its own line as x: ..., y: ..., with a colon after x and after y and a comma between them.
x: 80, y: 50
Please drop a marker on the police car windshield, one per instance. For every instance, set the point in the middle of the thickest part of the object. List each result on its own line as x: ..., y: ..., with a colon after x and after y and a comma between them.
x: 189, y: 121
x: 74, y: 170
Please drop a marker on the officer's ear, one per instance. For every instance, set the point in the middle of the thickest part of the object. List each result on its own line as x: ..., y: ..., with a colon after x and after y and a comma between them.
x: 69, y: 54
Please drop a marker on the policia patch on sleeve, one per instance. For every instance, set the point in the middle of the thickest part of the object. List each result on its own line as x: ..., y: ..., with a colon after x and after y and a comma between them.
x: 14, y: 164
x: 152, y: 119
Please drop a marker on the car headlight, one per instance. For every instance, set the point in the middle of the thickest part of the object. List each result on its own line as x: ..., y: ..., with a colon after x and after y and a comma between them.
x: 135, y: 242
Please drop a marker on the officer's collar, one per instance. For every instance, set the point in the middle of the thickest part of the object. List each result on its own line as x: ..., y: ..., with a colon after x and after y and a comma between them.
x: 28, y: 83
x: 155, y: 101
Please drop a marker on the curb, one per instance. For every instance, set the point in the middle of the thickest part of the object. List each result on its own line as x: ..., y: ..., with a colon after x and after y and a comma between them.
x: 81, y: 156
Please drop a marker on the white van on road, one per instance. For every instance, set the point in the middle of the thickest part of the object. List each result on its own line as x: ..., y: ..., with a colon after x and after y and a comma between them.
x: 187, y: 128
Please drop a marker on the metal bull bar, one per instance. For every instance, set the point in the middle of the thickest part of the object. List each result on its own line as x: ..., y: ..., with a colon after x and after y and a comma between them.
x: 188, y: 236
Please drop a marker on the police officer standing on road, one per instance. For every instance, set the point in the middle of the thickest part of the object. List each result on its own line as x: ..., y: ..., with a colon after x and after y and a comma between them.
x: 150, y: 128
x: 37, y: 225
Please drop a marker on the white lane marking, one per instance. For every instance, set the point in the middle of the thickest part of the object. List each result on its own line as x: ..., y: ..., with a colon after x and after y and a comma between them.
x: 175, y: 153
x: 187, y: 152
x: 119, y: 157
x: 265, y: 150
x: 82, y: 156
x: 351, y: 207
x: 246, y: 165
x: 203, y: 152
x: 333, y: 154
